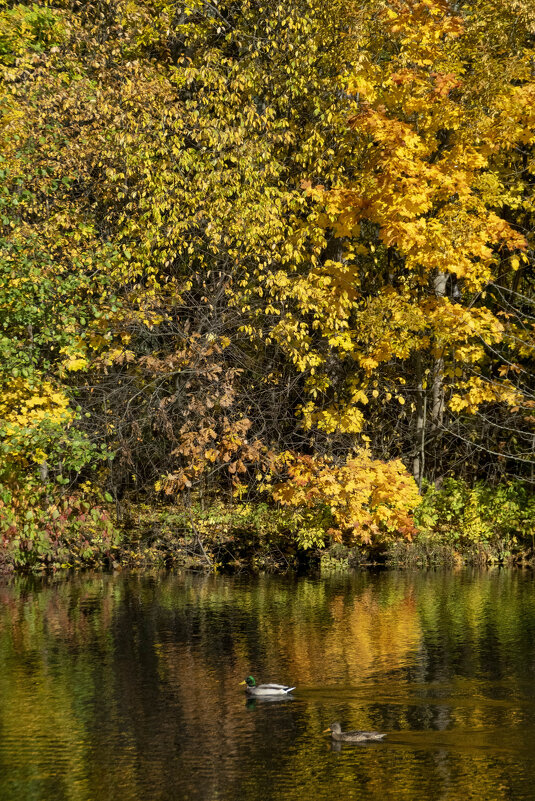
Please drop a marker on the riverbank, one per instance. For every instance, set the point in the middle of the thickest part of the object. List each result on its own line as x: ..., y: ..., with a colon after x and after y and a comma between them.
x: 454, y: 526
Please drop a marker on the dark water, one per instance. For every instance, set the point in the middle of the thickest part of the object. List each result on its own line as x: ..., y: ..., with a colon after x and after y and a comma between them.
x: 127, y: 687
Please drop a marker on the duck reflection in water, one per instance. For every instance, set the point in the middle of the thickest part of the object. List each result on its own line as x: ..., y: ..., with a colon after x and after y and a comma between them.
x: 251, y: 702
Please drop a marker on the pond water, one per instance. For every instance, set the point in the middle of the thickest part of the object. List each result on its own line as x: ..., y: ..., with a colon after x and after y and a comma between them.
x: 127, y: 687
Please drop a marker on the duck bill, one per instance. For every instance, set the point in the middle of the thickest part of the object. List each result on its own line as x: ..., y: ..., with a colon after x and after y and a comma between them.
x: 325, y: 730
x: 242, y: 682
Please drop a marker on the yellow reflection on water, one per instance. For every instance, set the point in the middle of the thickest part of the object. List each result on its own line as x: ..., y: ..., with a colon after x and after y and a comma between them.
x: 128, y: 687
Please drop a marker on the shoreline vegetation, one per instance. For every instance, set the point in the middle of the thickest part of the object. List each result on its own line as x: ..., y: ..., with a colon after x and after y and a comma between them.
x: 267, y: 283
x: 455, y: 526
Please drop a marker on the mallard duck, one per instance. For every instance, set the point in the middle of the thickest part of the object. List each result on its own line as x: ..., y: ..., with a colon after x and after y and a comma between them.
x: 263, y: 690
x: 352, y: 736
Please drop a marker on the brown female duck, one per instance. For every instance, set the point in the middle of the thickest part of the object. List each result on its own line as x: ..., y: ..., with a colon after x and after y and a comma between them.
x: 353, y: 736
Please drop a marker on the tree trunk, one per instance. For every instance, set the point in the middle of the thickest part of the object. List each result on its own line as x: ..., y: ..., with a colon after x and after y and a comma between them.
x: 437, y: 409
x: 43, y: 472
x: 418, y: 464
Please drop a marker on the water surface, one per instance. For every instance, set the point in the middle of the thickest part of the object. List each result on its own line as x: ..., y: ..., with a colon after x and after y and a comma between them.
x: 127, y: 687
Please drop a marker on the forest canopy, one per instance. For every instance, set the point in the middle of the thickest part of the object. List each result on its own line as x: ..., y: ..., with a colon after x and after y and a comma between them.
x: 277, y: 253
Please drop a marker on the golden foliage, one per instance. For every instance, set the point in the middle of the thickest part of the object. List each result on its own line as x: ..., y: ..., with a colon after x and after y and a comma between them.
x: 367, y: 499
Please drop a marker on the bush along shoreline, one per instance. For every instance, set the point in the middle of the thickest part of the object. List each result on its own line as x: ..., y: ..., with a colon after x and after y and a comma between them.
x: 453, y: 526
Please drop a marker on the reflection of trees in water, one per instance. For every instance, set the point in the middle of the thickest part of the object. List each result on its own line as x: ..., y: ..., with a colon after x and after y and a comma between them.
x: 131, y: 682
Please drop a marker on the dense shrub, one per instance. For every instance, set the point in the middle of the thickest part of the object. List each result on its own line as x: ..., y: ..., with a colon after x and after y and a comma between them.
x: 40, y: 529
x: 461, y: 515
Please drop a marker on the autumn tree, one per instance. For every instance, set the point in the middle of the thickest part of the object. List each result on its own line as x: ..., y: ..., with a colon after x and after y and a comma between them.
x: 435, y: 239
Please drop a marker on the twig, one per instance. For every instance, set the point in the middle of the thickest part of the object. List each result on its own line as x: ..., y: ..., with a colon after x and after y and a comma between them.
x: 198, y: 538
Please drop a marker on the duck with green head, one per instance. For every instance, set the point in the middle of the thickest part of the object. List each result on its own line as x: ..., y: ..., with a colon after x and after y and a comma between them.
x: 265, y: 690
